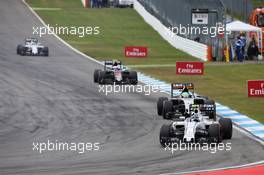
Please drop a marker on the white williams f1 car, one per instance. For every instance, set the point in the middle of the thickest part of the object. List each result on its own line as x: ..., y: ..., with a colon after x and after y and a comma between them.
x: 196, y: 129
x: 32, y: 47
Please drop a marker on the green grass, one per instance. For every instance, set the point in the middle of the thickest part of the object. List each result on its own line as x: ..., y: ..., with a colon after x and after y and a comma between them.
x: 227, y: 84
x: 118, y: 28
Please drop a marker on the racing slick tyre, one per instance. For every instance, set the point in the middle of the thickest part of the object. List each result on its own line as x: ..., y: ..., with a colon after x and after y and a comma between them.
x: 133, y: 78
x: 23, y: 51
x: 226, y: 128
x: 101, y: 78
x: 46, y: 51
x: 164, y: 135
x: 167, y: 108
x: 96, y: 75
x: 160, y: 104
x: 19, y: 49
x: 214, y: 132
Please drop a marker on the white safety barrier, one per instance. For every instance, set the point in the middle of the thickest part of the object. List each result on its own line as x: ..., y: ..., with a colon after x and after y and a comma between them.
x: 186, y: 45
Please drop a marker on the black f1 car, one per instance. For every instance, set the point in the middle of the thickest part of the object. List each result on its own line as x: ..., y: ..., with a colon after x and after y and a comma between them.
x: 32, y: 47
x: 115, y: 72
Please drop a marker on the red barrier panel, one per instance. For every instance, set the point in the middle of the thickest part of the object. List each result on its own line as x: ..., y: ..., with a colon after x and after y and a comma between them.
x: 136, y: 51
x: 256, y: 88
x: 189, y: 68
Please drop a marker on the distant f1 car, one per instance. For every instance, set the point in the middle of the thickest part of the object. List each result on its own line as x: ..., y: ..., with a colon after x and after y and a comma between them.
x: 114, y: 72
x: 32, y: 47
x: 196, y: 129
x: 181, y: 99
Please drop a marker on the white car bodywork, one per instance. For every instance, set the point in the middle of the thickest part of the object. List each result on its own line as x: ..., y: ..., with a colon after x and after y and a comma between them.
x: 34, y: 46
x: 191, y: 126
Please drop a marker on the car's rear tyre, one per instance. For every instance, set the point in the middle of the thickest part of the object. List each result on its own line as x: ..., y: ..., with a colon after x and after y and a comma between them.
x: 215, y: 133
x: 164, y: 135
x: 23, y: 50
x: 226, y: 128
x: 96, y: 75
x: 160, y: 105
x: 167, y: 108
x: 133, y: 77
x: 19, y: 49
x: 101, y: 79
x: 46, y: 51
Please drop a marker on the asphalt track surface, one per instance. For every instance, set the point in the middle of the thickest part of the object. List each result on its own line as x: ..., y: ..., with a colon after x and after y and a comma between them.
x: 54, y: 98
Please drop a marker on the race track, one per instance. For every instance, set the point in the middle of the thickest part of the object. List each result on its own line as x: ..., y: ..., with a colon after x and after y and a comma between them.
x: 54, y: 98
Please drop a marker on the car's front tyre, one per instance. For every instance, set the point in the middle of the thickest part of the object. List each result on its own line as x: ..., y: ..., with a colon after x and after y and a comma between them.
x: 226, y: 127
x: 96, y: 75
x: 164, y: 135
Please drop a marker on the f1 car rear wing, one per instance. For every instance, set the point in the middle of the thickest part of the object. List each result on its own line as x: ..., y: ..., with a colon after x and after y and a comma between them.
x: 180, y: 87
x: 28, y: 40
x: 108, y: 65
x: 203, y: 108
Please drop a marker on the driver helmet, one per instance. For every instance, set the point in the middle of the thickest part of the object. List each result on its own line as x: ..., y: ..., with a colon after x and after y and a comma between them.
x: 195, y: 116
x: 115, y: 62
x: 185, y: 95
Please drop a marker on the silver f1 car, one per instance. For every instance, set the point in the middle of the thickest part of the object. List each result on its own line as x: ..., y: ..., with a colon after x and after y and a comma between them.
x: 196, y: 129
x: 115, y: 72
x: 182, y: 96
x: 32, y: 47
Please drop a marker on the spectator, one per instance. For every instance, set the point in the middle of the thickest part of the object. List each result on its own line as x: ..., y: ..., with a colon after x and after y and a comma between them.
x: 100, y: 3
x: 105, y: 3
x: 94, y: 3
x: 111, y: 3
x: 239, y: 46
x: 253, y: 50
x: 244, y: 43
